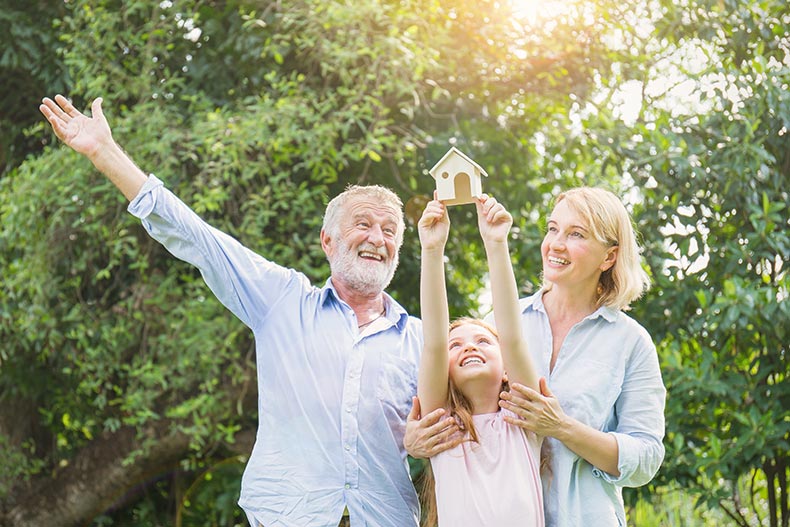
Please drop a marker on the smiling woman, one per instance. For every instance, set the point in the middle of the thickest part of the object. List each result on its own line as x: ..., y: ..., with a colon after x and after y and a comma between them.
x: 602, y: 416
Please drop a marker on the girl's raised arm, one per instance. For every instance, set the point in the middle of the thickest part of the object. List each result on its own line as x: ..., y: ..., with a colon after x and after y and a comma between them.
x: 434, y: 227
x: 494, y: 223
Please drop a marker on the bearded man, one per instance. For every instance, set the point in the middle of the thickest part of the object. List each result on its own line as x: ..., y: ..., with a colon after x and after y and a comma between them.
x: 336, y: 365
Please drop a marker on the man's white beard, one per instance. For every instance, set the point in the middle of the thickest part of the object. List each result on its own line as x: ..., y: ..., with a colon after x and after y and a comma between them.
x: 363, y: 276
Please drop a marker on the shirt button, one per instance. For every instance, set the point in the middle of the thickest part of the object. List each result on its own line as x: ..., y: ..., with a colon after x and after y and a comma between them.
x: 348, y: 486
x: 348, y: 447
x: 348, y: 409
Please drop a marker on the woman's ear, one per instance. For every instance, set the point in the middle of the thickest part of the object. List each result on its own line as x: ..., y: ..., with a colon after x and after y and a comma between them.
x: 610, y: 260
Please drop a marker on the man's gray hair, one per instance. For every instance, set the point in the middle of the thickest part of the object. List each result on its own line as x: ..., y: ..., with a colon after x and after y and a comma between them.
x: 336, y: 208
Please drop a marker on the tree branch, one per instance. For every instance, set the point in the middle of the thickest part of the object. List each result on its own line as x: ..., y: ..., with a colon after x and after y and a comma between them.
x: 95, y: 478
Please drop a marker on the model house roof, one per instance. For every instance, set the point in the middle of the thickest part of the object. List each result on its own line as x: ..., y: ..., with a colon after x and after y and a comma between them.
x: 451, y: 153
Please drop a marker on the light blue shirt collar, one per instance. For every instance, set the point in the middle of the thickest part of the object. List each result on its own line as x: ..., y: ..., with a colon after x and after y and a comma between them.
x: 535, y: 302
x: 395, y: 312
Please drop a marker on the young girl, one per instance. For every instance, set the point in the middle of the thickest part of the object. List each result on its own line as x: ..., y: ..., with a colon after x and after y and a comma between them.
x: 493, y: 477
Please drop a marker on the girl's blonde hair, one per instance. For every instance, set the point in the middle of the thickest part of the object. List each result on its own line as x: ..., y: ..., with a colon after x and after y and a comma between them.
x: 610, y: 223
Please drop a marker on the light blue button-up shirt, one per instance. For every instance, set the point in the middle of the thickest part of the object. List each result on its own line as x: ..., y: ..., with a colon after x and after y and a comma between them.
x: 606, y: 376
x: 332, y: 404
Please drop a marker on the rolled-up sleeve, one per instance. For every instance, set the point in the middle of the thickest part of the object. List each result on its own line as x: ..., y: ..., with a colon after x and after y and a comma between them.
x: 639, y: 411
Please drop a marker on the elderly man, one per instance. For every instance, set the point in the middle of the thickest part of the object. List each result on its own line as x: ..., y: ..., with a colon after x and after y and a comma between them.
x: 336, y: 364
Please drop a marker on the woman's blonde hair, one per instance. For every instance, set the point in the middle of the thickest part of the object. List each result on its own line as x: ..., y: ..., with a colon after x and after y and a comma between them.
x: 611, y: 224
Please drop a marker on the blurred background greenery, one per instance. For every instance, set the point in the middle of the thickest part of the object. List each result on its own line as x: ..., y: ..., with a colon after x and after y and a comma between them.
x: 127, y: 393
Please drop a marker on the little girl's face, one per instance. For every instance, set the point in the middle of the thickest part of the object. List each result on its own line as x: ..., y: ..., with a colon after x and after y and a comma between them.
x: 474, y: 354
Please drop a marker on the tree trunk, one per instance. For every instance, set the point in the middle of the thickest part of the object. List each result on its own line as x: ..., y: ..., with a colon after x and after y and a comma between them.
x: 94, y: 479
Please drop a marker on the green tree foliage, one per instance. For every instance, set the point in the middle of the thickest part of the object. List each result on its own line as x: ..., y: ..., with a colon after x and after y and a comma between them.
x: 707, y: 158
x: 716, y: 189
x: 127, y: 393
x: 117, y: 363
x: 28, y: 67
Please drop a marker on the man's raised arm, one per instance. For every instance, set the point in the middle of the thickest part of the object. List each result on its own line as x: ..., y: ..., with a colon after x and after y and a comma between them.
x: 91, y: 137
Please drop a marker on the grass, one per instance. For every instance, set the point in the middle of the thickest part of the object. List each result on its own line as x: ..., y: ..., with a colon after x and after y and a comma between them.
x: 676, y: 507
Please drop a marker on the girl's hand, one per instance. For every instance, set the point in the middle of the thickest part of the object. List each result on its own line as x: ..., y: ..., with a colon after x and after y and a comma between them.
x: 434, y: 225
x: 493, y: 220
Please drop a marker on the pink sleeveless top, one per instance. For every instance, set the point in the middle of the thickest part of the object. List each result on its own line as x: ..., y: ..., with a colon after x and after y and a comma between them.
x: 493, y: 482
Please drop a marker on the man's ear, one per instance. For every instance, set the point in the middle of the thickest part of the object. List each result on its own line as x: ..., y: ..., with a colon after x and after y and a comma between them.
x: 611, y: 258
x: 326, y: 243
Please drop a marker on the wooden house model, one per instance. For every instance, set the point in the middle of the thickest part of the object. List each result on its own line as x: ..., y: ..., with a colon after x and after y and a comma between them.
x: 458, y: 178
